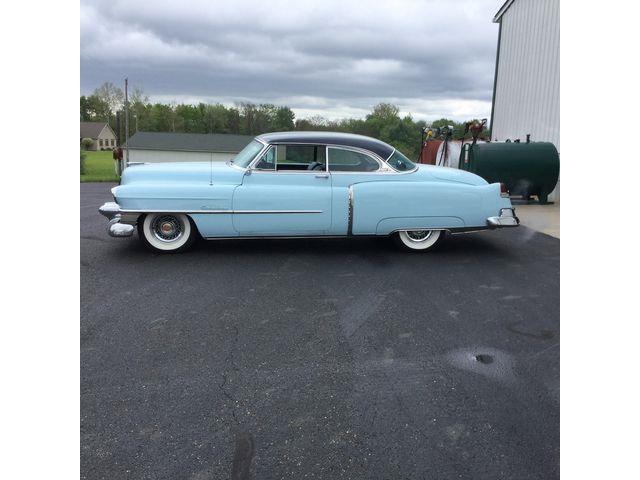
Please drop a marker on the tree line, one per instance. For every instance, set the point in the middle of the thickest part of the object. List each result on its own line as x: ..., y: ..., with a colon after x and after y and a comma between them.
x: 384, y: 122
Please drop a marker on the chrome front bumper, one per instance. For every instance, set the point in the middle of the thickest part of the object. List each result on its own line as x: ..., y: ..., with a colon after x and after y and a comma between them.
x: 111, y: 210
x: 507, y: 218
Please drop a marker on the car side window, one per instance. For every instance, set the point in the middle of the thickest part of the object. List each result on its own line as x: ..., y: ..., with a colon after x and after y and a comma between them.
x: 267, y: 161
x: 341, y: 160
x: 302, y: 158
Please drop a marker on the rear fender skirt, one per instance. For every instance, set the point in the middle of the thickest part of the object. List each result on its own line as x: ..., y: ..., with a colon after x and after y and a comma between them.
x: 389, y: 225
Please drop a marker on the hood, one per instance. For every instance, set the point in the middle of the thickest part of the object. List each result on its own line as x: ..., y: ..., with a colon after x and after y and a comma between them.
x: 218, y: 172
x: 451, y: 175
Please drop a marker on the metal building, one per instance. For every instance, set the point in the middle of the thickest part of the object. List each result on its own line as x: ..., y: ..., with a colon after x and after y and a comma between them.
x: 526, y: 92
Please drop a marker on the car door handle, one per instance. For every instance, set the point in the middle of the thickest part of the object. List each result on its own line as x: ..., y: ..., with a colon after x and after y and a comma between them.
x: 323, y: 175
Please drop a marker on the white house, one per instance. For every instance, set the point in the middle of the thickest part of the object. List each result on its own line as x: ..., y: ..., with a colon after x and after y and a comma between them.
x: 159, y: 147
x: 101, y: 135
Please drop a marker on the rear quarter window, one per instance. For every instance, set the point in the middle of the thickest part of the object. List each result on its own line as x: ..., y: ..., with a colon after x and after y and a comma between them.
x: 341, y: 160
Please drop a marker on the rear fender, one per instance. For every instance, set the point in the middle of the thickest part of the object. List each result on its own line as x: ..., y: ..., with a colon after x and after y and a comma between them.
x: 383, y: 207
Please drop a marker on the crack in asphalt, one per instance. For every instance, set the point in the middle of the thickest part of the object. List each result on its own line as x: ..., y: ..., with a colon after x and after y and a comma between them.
x: 244, y: 445
x: 230, y: 360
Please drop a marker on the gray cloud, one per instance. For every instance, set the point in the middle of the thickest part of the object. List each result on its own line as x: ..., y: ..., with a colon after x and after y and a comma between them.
x: 334, y: 58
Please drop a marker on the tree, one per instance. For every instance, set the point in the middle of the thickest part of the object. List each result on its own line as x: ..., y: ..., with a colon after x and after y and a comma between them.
x: 93, y: 109
x: 233, y: 120
x: 248, y: 112
x: 384, y: 121
x: 111, y: 95
x: 85, y: 116
x: 284, y: 120
x: 139, y: 111
x: 215, y: 117
x: 385, y: 111
x: 161, y: 116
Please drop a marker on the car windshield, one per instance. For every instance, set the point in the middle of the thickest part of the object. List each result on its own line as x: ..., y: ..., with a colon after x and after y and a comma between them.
x: 400, y: 162
x: 248, y: 153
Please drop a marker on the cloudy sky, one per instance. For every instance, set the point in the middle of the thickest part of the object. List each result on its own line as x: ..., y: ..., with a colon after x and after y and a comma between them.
x: 432, y: 58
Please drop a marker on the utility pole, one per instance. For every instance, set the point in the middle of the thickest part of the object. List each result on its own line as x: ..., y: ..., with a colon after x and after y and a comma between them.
x: 126, y: 117
x: 118, y: 129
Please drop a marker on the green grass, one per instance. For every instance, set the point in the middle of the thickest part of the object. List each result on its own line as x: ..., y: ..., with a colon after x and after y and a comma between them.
x: 99, y: 167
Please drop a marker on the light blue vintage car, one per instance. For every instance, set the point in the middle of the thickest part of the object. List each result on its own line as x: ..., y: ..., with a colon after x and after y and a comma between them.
x: 304, y: 184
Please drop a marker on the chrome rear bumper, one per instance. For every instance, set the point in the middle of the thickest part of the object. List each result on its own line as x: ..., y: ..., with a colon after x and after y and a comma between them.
x: 507, y: 218
x: 111, y: 210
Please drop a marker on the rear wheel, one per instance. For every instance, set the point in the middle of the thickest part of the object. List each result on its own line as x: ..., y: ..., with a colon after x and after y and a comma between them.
x: 167, y: 232
x: 418, y: 240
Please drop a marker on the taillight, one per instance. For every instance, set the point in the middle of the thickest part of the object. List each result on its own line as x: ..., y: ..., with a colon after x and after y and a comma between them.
x: 503, y: 190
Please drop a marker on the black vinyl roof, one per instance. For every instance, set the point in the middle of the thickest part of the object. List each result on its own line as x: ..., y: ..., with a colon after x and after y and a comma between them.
x: 332, y: 138
x: 189, y: 142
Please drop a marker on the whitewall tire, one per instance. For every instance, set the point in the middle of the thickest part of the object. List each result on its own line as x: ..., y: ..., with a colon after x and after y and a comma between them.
x: 418, y: 240
x: 167, y: 232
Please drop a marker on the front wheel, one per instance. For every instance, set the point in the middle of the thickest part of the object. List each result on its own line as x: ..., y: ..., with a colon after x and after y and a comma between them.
x: 167, y: 232
x: 418, y: 240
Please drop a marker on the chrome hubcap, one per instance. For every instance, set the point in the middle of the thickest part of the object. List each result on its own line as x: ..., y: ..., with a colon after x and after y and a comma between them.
x: 167, y: 228
x: 419, y: 235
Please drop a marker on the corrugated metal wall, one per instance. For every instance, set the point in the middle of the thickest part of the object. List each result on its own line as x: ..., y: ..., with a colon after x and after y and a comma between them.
x: 527, y: 96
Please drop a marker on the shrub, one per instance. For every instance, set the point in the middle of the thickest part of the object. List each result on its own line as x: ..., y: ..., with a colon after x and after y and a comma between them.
x: 86, y: 143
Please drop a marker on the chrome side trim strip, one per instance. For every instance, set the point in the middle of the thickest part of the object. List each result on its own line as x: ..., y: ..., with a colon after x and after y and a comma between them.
x: 222, y: 212
x: 350, y: 224
x: 112, y: 209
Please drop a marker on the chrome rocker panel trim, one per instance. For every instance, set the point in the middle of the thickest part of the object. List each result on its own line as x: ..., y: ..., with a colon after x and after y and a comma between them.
x: 507, y: 218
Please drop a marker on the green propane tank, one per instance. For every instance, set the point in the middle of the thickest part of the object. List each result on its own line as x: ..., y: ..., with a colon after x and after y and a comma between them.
x: 526, y: 168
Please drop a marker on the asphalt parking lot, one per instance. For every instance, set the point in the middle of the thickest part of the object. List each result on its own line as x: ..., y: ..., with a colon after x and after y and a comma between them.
x: 271, y: 359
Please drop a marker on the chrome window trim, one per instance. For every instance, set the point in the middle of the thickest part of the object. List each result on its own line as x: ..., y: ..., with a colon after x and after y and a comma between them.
x: 294, y: 172
x: 260, y: 156
x: 400, y: 171
x: 265, y: 145
x: 382, y: 166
